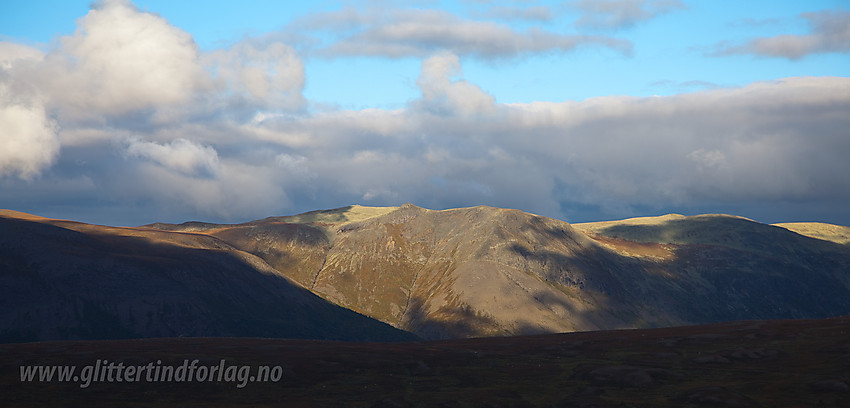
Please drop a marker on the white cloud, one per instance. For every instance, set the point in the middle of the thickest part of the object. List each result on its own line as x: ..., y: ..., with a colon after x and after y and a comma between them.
x: 123, y: 65
x: 684, y: 148
x: 224, y: 135
x: 239, y: 190
x: 531, y: 13
x: 121, y: 60
x: 181, y: 155
x: 294, y: 165
x: 830, y: 33
x: 28, y: 141
x: 11, y: 54
x: 622, y: 13
x: 398, y: 33
x: 754, y: 143
x: 269, y: 75
x: 442, y: 94
x: 28, y: 137
x: 136, y: 108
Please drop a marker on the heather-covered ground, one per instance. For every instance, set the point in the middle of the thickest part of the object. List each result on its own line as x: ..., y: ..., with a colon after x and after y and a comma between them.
x: 788, y: 363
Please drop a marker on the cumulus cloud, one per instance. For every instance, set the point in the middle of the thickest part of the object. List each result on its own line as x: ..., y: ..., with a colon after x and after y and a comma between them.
x: 181, y: 155
x: 228, y: 139
x: 130, y: 100
x: 123, y: 65
x: 614, y: 14
x: 28, y: 137
x: 121, y: 60
x: 269, y: 75
x: 11, y: 53
x: 398, y: 33
x: 28, y: 141
x: 829, y: 33
x: 441, y: 93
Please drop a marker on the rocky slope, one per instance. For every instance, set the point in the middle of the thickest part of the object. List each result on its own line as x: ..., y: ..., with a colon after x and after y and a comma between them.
x: 486, y: 271
x: 68, y: 280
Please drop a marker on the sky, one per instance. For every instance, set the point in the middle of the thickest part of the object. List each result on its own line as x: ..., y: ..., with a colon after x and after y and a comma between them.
x: 128, y: 113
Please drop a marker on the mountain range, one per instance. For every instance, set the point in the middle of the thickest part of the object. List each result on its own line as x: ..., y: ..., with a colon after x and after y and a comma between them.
x: 398, y: 273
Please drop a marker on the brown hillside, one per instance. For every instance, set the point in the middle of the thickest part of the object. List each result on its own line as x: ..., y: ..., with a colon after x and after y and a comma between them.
x: 486, y: 271
x: 69, y: 280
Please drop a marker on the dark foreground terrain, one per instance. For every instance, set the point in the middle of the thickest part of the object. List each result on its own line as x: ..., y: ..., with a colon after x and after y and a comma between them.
x: 781, y: 363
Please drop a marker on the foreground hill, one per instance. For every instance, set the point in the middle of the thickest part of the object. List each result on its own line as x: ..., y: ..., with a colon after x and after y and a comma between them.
x: 68, y: 280
x: 788, y: 363
x: 486, y: 271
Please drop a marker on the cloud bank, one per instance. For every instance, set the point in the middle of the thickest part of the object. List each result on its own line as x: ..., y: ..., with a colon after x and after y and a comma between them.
x: 127, y: 122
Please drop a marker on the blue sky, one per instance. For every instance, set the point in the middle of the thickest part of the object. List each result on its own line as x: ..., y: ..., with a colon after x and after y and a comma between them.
x: 242, y: 110
x: 668, y: 57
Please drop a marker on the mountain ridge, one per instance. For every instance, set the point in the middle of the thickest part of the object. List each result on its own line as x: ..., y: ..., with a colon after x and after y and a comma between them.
x: 549, y: 275
x: 487, y: 271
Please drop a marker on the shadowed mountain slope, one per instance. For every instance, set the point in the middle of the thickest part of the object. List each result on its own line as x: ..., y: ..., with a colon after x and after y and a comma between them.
x: 68, y: 280
x: 485, y: 271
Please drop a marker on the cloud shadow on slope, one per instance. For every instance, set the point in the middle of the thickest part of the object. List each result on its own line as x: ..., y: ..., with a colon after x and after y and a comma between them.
x: 67, y: 284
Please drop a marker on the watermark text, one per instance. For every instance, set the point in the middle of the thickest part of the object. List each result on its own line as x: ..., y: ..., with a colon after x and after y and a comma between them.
x: 104, y: 371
